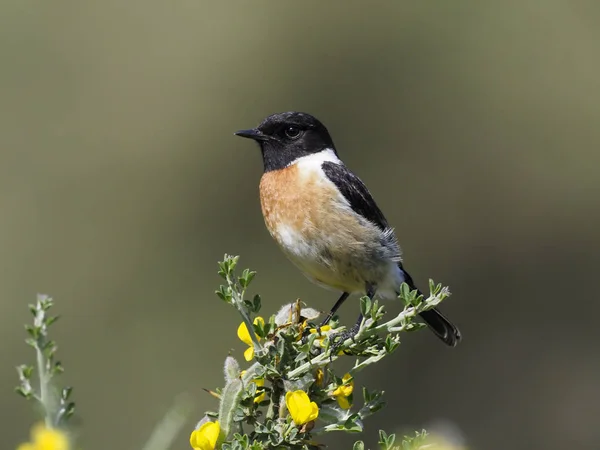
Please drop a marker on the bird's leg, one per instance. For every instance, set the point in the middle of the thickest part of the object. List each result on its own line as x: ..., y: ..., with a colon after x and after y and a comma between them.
x: 337, y: 305
x: 338, y: 339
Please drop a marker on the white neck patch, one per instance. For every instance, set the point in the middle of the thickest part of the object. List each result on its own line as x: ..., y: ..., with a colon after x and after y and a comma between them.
x: 317, y: 159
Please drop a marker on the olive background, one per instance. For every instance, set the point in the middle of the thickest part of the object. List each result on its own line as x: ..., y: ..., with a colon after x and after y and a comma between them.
x: 474, y: 124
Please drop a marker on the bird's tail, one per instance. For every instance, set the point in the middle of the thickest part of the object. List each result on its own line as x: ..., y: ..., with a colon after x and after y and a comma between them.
x: 442, y: 327
x: 435, y: 320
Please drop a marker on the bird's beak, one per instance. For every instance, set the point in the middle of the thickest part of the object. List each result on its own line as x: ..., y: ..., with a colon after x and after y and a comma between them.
x: 251, y: 134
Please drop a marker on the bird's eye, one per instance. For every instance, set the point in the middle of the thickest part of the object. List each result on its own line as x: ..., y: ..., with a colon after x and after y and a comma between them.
x: 292, y: 132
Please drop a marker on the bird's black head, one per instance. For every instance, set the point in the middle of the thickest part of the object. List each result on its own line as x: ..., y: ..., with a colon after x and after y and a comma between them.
x: 285, y: 137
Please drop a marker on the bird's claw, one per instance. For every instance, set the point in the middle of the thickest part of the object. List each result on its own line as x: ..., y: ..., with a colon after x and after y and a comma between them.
x: 338, y: 339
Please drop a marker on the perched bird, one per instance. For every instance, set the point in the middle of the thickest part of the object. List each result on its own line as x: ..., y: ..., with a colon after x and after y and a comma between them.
x: 324, y: 218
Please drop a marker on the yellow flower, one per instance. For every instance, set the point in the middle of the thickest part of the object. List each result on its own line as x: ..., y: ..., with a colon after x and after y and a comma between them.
x: 324, y: 329
x: 244, y: 336
x: 260, y: 382
x: 321, y: 333
x: 43, y: 438
x: 300, y: 407
x: 261, y: 394
x: 344, y: 391
x: 319, y: 377
x: 205, y: 437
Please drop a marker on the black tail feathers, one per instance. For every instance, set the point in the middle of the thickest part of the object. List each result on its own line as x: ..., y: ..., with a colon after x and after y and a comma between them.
x: 437, y: 322
x: 441, y: 326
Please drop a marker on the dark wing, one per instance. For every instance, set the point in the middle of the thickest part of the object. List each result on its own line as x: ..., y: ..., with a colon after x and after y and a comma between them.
x: 357, y: 194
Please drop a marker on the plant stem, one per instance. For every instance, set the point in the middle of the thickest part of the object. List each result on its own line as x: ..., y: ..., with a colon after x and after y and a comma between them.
x: 45, y: 399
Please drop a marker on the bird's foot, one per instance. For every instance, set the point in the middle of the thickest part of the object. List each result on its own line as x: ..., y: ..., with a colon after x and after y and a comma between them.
x: 338, y: 339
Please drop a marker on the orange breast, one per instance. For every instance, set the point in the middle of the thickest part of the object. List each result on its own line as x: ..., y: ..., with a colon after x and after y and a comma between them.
x: 299, y: 200
x: 318, y: 231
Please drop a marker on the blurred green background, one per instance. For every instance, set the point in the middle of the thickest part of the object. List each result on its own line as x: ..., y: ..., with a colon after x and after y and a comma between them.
x: 475, y: 125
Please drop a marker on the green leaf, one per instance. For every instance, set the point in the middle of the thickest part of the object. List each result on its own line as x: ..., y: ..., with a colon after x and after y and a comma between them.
x: 415, y: 298
x: 257, y: 303
x: 386, y: 442
x: 66, y: 393
x: 224, y: 293
x: 374, y: 309
x: 365, y: 306
x: 382, y: 436
x: 45, y: 302
x: 405, y: 294
x: 230, y: 400
x: 25, y: 392
x: 390, y: 440
x: 34, y: 332
x: 50, y: 320
x: 391, y: 343
x: 376, y: 406
x: 358, y: 445
x: 58, y: 368
x: 68, y: 410
x: 247, y: 277
x: 353, y: 424
x: 260, y: 329
x: 233, y: 261
x: 227, y: 266
x: 414, y: 326
x: 280, y: 346
x: 366, y: 395
x: 25, y: 371
x: 49, y: 348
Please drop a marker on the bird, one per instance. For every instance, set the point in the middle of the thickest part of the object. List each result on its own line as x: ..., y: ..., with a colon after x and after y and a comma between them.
x: 325, y: 219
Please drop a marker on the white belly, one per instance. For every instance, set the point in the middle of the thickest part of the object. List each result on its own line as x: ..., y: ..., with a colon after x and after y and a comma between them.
x: 339, y: 261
